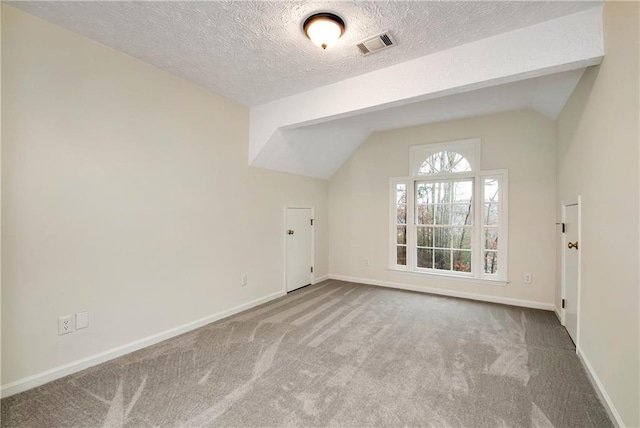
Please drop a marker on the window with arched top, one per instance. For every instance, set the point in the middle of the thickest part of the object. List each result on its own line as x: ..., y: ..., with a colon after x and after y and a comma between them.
x: 455, y: 157
x: 449, y: 217
x: 443, y: 162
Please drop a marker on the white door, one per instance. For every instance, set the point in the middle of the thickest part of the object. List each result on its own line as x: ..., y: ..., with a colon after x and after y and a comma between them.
x: 298, y: 258
x: 571, y: 248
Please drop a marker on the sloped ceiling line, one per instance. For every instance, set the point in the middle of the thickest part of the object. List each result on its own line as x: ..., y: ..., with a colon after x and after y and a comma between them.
x: 543, y: 63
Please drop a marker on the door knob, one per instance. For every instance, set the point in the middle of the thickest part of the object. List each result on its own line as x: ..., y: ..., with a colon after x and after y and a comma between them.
x: 290, y: 232
x: 572, y: 245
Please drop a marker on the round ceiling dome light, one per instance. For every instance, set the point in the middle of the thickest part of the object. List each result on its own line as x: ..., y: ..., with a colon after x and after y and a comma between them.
x: 324, y: 29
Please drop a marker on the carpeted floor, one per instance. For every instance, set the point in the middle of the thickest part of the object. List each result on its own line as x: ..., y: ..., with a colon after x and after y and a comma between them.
x: 337, y: 354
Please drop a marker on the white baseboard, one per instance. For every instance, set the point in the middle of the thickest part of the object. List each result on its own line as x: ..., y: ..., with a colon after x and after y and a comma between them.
x: 451, y: 293
x: 558, y: 314
x: 320, y: 278
x: 56, y: 373
x: 599, y: 387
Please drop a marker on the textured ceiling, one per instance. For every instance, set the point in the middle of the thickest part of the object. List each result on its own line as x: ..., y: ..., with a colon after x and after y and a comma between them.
x: 255, y: 52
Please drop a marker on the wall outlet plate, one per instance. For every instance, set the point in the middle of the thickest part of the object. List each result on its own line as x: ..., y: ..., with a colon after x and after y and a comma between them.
x: 82, y: 320
x: 244, y: 279
x: 65, y: 324
x: 528, y: 278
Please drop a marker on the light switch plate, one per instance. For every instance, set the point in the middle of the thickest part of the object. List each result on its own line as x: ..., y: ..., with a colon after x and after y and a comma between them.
x: 82, y: 320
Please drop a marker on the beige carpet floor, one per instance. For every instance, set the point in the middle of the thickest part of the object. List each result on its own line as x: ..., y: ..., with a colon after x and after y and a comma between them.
x: 336, y: 354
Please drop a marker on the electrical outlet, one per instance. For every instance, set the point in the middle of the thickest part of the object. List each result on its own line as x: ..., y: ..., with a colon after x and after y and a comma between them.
x: 367, y: 262
x: 65, y: 325
x: 244, y: 279
x: 82, y: 320
x: 528, y: 278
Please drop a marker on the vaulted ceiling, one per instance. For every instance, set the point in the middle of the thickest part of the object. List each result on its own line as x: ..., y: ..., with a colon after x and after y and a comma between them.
x: 310, y: 109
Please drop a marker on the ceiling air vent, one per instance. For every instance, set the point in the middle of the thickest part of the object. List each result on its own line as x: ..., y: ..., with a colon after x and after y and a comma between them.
x: 376, y: 43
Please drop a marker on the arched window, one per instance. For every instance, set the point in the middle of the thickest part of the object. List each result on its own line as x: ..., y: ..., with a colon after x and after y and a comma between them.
x: 456, y: 157
x: 449, y: 217
x: 444, y: 161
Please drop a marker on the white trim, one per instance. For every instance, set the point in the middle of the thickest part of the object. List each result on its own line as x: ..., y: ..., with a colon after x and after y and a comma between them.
x: 558, y: 312
x: 502, y: 175
x: 579, y: 270
x: 477, y: 273
x: 563, y: 283
x: 599, y: 387
x: 451, y: 277
x: 470, y: 148
x: 313, y: 244
x: 451, y: 293
x: 565, y: 203
x: 320, y: 279
x: 392, y: 222
x: 29, y: 382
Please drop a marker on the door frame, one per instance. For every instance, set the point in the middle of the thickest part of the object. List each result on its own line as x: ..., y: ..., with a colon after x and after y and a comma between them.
x: 577, y: 200
x: 284, y: 246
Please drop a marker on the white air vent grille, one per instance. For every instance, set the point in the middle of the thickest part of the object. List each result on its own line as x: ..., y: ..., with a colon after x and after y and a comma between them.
x: 376, y: 43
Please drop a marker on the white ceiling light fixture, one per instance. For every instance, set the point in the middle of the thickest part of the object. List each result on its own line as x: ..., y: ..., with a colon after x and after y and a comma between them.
x: 324, y: 29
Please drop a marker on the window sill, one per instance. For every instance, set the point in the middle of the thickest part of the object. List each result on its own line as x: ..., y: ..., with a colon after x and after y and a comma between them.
x: 481, y: 281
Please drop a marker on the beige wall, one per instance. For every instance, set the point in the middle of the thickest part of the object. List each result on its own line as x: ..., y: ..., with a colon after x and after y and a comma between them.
x: 598, y: 159
x: 522, y: 142
x: 126, y: 193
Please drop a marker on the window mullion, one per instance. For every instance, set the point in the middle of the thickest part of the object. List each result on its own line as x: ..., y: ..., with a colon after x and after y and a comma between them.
x: 478, y: 222
x: 411, y: 226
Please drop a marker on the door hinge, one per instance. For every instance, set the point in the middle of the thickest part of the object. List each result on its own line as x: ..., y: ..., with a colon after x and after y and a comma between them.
x: 311, y: 222
x: 562, y: 303
x: 311, y: 269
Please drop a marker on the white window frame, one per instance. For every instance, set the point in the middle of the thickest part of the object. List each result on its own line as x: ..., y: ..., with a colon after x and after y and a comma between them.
x: 393, y: 230
x: 471, y: 150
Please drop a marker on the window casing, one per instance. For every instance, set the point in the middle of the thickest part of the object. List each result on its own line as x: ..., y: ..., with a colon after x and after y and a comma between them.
x: 448, y: 218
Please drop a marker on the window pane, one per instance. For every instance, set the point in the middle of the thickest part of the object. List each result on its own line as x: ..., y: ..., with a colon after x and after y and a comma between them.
x: 442, y: 259
x: 462, y: 191
x: 491, y: 190
x: 402, y: 235
x: 425, y: 214
x: 401, y: 214
x: 462, y: 261
x: 461, y: 238
x: 424, y: 193
x: 401, y: 194
x: 462, y: 214
x: 444, y: 192
x: 436, y: 192
x: 443, y: 214
x: 491, y: 262
x: 491, y: 214
x: 491, y: 238
x: 442, y: 237
x: 401, y: 256
x: 444, y: 161
x: 425, y: 258
x: 425, y: 236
